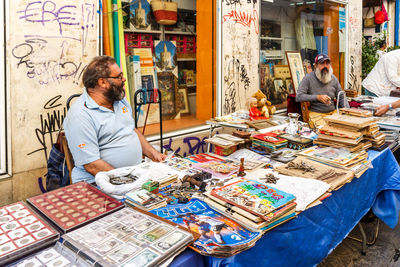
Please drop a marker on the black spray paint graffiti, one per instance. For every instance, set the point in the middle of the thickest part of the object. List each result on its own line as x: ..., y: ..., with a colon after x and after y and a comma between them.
x: 74, y: 17
x: 194, y: 144
x: 254, y: 2
x: 47, y: 71
x: 353, y: 83
x: 233, y: 2
x: 50, y: 125
x: 235, y: 79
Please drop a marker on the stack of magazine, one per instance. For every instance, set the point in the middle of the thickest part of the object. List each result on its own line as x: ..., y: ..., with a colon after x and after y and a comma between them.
x: 357, y: 162
x: 22, y: 232
x: 145, y: 200
x: 269, y: 142
x: 256, y: 205
x: 128, y: 237
x: 220, y: 236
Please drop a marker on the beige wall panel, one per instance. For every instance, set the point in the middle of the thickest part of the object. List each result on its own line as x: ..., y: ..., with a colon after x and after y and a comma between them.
x: 49, y: 44
x: 6, y: 192
x: 25, y: 184
x: 240, y: 53
x: 355, y: 45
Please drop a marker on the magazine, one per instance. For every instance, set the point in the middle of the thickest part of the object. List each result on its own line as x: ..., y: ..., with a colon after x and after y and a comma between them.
x: 220, y: 236
x: 253, y: 196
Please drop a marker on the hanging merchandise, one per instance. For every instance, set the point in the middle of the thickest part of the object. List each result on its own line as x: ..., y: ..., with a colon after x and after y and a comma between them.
x: 385, y: 14
x: 166, y: 13
x: 369, y: 22
x: 379, y: 17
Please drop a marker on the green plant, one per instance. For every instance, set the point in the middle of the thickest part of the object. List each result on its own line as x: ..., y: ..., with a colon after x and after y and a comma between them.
x: 369, y: 57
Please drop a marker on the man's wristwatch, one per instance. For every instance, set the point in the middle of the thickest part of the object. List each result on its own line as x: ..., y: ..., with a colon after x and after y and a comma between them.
x: 390, y: 106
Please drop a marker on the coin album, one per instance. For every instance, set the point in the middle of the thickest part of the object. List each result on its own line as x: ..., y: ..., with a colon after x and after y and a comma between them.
x: 130, y: 237
x: 22, y: 231
x: 74, y: 205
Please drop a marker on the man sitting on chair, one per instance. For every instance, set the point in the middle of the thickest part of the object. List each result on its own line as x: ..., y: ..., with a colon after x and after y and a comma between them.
x: 99, y: 126
x: 319, y: 88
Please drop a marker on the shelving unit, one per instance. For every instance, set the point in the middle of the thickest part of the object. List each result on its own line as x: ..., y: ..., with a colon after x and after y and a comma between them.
x: 183, y: 33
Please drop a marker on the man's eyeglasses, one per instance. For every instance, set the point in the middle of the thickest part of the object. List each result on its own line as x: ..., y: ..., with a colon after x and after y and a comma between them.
x: 120, y: 76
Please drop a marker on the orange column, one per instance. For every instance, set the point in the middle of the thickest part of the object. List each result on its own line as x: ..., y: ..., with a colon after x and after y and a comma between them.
x: 331, y: 29
x: 205, y: 59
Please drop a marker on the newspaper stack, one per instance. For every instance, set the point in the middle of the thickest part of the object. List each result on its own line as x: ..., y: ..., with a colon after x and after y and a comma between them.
x: 253, y: 204
x: 220, y: 236
x: 350, y: 131
x: 342, y: 158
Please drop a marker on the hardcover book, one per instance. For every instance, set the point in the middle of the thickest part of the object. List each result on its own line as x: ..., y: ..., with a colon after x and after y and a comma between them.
x: 253, y: 196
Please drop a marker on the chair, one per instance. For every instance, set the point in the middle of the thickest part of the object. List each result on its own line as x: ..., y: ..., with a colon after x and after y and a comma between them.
x: 69, y: 160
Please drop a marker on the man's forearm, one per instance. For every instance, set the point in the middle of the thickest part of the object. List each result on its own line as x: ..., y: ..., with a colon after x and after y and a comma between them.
x: 147, y: 148
x: 98, y: 166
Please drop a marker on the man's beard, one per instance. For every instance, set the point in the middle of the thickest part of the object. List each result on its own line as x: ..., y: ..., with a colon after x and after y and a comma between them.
x: 324, y: 75
x: 115, y: 93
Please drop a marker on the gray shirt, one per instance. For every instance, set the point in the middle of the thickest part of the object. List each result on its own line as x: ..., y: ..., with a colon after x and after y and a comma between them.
x: 310, y: 87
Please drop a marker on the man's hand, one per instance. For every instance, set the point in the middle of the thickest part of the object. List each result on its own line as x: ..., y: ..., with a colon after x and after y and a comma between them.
x: 324, y: 99
x: 381, y: 110
x: 158, y: 157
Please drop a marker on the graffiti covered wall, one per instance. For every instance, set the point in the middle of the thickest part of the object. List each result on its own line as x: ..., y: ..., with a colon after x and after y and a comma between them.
x: 355, y: 45
x: 49, y: 44
x: 240, y: 53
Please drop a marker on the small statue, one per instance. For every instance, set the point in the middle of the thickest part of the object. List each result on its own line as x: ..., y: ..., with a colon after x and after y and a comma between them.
x: 254, y: 112
x: 241, y: 172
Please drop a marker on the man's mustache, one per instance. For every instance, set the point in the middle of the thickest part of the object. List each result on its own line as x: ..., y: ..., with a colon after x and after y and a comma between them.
x: 325, y: 70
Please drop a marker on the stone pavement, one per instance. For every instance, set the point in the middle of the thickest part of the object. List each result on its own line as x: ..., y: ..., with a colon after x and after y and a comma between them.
x: 383, y: 253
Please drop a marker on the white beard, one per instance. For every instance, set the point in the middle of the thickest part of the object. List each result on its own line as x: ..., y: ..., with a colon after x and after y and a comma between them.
x: 325, y: 77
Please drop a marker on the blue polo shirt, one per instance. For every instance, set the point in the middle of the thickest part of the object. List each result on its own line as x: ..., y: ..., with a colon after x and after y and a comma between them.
x: 94, y: 132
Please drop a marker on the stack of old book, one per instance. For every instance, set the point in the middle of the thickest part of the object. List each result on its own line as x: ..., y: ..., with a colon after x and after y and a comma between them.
x: 350, y: 131
x: 268, y: 142
x: 342, y: 158
x: 145, y: 200
x: 255, y: 205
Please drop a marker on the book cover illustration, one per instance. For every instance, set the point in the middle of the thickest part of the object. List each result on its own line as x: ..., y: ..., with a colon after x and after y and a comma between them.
x: 255, y: 197
x: 270, y: 138
x: 218, y: 233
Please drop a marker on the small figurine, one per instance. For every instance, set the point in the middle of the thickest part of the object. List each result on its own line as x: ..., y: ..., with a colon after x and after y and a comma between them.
x: 254, y: 112
x: 241, y: 172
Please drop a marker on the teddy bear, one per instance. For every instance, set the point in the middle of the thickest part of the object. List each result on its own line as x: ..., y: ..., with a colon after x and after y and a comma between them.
x: 266, y: 108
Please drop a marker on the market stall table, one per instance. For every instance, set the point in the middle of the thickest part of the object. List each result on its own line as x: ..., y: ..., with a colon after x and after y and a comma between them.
x: 309, y: 238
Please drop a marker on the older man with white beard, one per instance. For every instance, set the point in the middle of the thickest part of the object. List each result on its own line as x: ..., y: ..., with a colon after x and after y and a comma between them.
x: 320, y: 88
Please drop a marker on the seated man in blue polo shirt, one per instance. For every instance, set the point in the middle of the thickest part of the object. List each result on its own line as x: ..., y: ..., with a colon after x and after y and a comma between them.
x: 99, y: 126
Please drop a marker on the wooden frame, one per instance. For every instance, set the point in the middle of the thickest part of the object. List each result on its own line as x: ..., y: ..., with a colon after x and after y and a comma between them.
x: 182, y: 98
x: 281, y: 71
x: 296, y: 68
x: 168, y: 85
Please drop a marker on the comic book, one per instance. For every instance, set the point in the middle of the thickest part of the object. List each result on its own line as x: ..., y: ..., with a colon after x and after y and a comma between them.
x: 254, y: 197
x: 270, y: 138
x: 220, y: 236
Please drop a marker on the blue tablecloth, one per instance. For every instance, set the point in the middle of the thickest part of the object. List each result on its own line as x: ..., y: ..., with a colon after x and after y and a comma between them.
x: 309, y: 238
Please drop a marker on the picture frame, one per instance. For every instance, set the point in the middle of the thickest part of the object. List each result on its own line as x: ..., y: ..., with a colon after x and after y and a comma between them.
x: 289, y: 85
x: 281, y: 72
x: 278, y: 84
x: 296, y: 68
x: 168, y: 86
x: 183, y: 101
